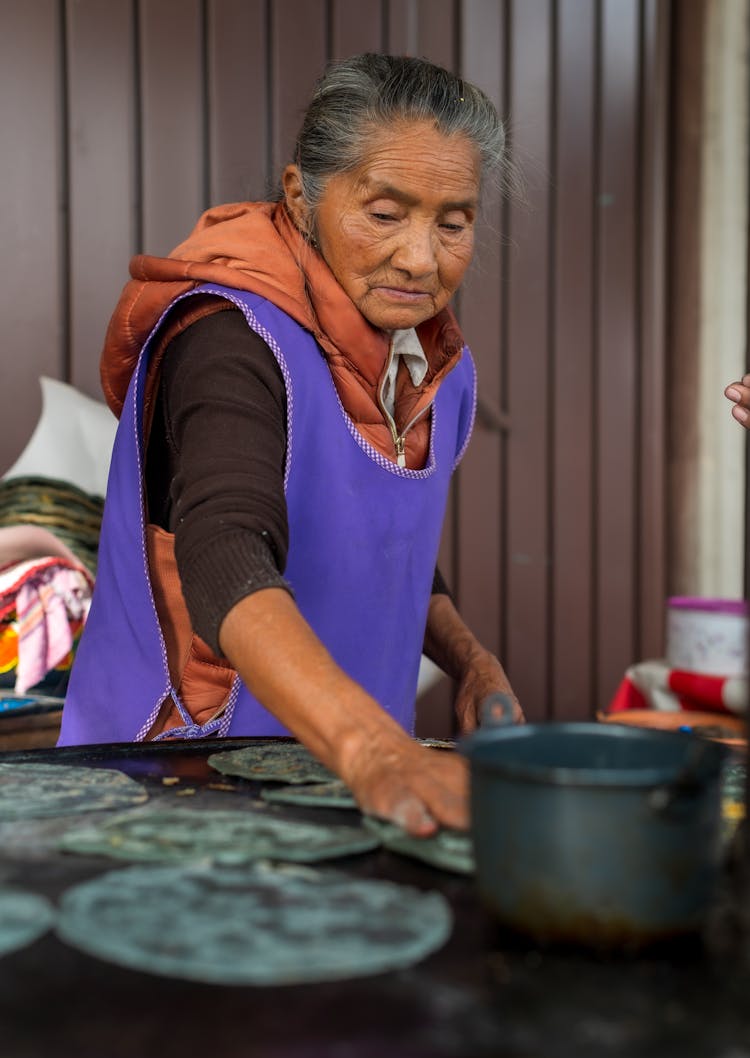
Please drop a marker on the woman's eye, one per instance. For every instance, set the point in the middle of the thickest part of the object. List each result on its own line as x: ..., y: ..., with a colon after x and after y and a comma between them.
x: 383, y: 216
x: 452, y: 228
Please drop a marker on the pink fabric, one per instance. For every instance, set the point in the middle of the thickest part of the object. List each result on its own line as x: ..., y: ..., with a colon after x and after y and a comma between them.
x: 46, y: 594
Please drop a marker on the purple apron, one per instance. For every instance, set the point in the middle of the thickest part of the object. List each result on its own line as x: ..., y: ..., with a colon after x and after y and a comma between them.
x: 363, y: 543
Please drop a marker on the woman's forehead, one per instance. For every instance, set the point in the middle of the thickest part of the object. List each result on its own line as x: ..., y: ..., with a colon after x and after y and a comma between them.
x: 408, y: 160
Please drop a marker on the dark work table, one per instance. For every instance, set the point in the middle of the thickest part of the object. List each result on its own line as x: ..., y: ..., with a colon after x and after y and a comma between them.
x: 484, y: 993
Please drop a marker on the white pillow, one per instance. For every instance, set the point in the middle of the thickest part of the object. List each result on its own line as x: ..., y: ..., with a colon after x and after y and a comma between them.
x: 72, y: 440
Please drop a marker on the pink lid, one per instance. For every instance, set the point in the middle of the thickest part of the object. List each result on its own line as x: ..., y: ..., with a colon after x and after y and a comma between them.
x: 736, y: 607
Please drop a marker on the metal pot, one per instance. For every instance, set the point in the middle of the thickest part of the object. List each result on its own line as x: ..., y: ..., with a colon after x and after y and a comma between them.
x: 589, y: 833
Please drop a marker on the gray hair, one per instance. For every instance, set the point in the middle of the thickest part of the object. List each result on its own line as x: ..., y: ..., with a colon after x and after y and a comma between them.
x: 370, y: 91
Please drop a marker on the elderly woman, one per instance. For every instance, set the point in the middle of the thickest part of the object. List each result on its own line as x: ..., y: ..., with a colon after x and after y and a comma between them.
x: 294, y: 394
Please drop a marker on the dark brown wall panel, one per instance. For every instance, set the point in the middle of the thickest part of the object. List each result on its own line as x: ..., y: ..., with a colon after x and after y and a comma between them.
x: 299, y: 48
x: 237, y: 100
x: 402, y: 20
x: 617, y: 379
x: 32, y: 222
x: 436, y: 24
x: 652, y: 235
x: 481, y: 503
x: 529, y: 397
x: 571, y: 378
x: 356, y: 26
x: 102, y: 196
x: 172, y: 121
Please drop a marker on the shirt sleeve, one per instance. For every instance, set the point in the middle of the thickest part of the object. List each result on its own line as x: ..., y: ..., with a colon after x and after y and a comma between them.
x: 439, y: 587
x: 215, y: 466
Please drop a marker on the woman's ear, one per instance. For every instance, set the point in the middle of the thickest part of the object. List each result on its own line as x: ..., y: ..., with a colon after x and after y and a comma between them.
x: 294, y: 197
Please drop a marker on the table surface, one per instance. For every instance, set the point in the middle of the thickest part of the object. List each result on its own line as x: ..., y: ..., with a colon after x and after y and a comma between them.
x: 484, y: 993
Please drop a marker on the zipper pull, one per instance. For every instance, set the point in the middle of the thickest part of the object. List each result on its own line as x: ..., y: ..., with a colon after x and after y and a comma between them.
x: 400, y: 456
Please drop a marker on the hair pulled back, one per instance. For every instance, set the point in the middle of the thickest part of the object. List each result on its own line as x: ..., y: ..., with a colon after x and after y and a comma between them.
x: 358, y: 96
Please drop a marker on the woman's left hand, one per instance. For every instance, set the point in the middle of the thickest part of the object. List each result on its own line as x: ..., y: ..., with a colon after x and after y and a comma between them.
x: 457, y: 651
x: 482, y: 677
x: 739, y: 394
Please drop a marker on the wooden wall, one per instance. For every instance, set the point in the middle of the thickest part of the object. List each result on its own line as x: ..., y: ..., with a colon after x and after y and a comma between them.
x: 121, y: 121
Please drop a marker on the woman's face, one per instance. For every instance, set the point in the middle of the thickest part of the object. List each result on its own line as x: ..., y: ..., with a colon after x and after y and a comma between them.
x: 398, y: 232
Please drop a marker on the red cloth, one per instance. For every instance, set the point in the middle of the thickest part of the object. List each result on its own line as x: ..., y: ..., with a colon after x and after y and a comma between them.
x: 654, y: 685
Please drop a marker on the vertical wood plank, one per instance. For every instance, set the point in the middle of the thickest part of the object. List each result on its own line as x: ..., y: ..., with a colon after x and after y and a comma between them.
x: 402, y: 20
x: 528, y: 336
x: 572, y: 376
x: 32, y: 228
x: 238, y: 101
x: 101, y: 138
x: 480, y: 514
x: 685, y: 249
x: 299, y: 44
x: 436, y: 25
x: 653, y: 298
x: 173, y: 135
x: 356, y: 26
x: 617, y: 382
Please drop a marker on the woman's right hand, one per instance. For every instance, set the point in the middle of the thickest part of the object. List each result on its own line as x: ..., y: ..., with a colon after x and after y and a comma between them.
x: 395, y: 778
x: 739, y: 394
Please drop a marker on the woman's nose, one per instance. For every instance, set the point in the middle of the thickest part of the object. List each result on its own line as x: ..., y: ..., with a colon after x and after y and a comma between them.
x: 415, y: 253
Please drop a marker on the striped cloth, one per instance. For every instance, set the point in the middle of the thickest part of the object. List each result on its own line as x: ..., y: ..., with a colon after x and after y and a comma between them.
x: 43, y: 605
x: 656, y: 685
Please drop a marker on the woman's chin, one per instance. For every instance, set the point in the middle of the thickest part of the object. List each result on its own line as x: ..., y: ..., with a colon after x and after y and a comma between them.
x: 397, y: 317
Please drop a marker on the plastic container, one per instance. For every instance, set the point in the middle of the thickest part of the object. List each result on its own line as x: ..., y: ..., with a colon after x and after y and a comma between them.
x: 708, y: 636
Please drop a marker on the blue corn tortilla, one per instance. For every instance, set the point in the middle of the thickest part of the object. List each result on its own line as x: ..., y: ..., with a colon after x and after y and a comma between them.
x: 451, y: 850
x: 33, y: 791
x: 234, y: 837
x: 287, y: 762
x: 263, y: 925
x: 24, y: 917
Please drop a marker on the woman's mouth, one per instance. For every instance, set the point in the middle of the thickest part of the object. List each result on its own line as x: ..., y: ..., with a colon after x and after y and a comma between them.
x: 401, y: 294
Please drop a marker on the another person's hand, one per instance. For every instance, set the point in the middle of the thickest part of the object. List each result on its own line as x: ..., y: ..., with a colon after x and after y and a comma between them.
x: 484, y: 676
x: 418, y: 788
x: 739, y: 394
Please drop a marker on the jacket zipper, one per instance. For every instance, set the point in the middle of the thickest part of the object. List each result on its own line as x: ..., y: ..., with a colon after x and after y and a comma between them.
x: 399, y: 439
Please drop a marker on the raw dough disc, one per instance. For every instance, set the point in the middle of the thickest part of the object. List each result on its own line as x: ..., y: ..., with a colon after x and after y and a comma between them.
x: 262, y: 926
x: 335, y: 794
x: 450, y: 849
x: 30, y: 791
x: 23, y: 918
x: 175, y: 835
x: 287, y: 762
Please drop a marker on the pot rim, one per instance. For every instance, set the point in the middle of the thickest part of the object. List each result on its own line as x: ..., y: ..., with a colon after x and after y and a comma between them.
x: 712, y: 758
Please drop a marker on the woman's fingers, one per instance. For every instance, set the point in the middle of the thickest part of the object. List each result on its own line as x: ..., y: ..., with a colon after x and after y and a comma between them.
x: 424, y: 790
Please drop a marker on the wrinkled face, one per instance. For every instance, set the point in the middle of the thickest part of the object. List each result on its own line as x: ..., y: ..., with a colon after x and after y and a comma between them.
x: 398, y: 232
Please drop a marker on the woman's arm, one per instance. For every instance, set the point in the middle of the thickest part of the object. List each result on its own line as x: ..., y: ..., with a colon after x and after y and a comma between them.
x: 454, y: 648
x: 287, y: 668
x: 739, y: 394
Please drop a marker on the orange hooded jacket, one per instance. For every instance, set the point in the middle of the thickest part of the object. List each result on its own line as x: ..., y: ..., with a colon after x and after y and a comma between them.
x: 255, y: 247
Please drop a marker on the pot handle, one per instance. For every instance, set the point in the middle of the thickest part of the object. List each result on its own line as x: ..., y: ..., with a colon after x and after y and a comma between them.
x: 688, y: 781
x: 496, y: 710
